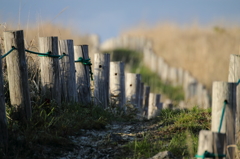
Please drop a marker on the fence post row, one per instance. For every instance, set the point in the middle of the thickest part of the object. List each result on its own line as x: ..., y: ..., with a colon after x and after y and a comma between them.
x: 82, y: 74
x: 50, y: 70
x: 67, y: 71
x: 117, y: 84
x: 224, y: 97
x: 101, y: 79
x: 3, y: 120
x: 18, y: 75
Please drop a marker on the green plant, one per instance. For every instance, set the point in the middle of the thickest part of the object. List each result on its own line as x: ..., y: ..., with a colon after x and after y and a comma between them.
x: 178, y: 134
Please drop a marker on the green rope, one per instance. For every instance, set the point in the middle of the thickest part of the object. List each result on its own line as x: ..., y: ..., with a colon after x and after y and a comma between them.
x: 63, y: 55
x: 86, y: 62
x: 222, y: 116
x: 13, y: 48
x: 238, y: 82
x: 209, y: 155
x: 47, y: 54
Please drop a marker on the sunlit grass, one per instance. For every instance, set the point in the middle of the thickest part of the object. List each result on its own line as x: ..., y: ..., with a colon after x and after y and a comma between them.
x: 178, y: 134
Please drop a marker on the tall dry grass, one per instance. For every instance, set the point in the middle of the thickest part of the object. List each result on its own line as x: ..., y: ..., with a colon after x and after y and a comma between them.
x: 204, y: 51
x: 33, y: 32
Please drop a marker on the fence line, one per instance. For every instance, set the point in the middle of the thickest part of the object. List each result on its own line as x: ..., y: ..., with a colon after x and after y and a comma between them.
x: 136, y: 94
x: 195, y: 94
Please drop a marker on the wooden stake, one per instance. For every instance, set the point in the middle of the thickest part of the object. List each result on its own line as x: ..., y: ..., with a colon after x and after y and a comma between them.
x: 101, y: 79
x: 50, y: 70
x: 67, y: 72
x: 18, y: 75
x: 82, y: 74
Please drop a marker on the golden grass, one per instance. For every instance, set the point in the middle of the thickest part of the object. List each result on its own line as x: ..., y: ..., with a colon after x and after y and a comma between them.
x: 203, y: 51
x: 32, y: 33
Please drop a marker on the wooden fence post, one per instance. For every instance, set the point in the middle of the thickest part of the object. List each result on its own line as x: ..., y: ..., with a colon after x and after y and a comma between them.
x: 101, y: 79
x: 146, y: 92
x: 154, y: 102
x: 82, y: 74
x: 132, y: 87
x: 50, y: 70
x: 223, y: 91
x: 3, y: 120
x: 18, y: 75
x: 141, y: 97
x: 234, y: 76
x: 67, y: 71
x: 117, y: 84
x: 212, y: 142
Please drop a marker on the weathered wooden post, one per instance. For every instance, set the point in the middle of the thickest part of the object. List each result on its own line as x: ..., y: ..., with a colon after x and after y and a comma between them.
x: 146, y: 92
x: 211, y: 144
x: 101, y: 79
x: 67, y: 72
x: 50, y: 70
x: 234, y: 76
x: 180, y: 76
x: 3, y: 120
x: 154, y: 102
x: 153, y: 61
x: 18, y: 75
x: 141, y: 97
x: 173, y: 75
x: 132, y: 87
x: 160, y: 63
x: 165, y: 72
x: 117, y: 84
x: 83, y: 73
x: 224, y: 97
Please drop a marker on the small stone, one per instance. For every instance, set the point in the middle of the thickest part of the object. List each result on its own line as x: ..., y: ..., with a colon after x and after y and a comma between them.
x: 163, y: 155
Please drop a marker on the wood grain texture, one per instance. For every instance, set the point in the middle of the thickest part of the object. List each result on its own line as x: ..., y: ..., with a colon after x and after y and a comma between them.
x: 18, y: 75
x: 154, y: 103
x: 50, y: 70
x: 234, y: 76
x: 211, y: 142
x: 132, y: 87
x: 117, y: 84
x: 82, y: 74
x: 101, y: 79
x: 3, y: 120
x: 67, y: 72
x: 224, y: 91
x: 146, y: 93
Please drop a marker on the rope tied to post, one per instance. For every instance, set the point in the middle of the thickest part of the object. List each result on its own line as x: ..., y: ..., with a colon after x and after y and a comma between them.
x: 47, y: 54
x: 222, y: 116
x: 209, y: 155
x: 13, y: 48
x: 86, y: 62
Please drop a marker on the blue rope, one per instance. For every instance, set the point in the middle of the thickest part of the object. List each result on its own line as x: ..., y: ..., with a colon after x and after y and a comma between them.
x: 13, y: 48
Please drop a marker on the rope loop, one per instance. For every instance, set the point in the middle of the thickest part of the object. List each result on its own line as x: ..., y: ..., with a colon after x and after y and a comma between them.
x: 222, y: 116
x: 86, y: 62
x: 13, y: 48
x: 209, y: 155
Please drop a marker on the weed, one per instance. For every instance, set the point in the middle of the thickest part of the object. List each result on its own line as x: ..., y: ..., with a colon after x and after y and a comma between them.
x: 178, y: 134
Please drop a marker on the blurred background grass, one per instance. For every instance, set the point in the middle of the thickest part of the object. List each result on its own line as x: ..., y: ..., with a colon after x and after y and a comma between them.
x: 203, y: 51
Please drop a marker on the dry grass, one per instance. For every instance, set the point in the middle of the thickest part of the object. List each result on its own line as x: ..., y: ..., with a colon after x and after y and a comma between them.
x: 32, y: 33
x: 203, y: 51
